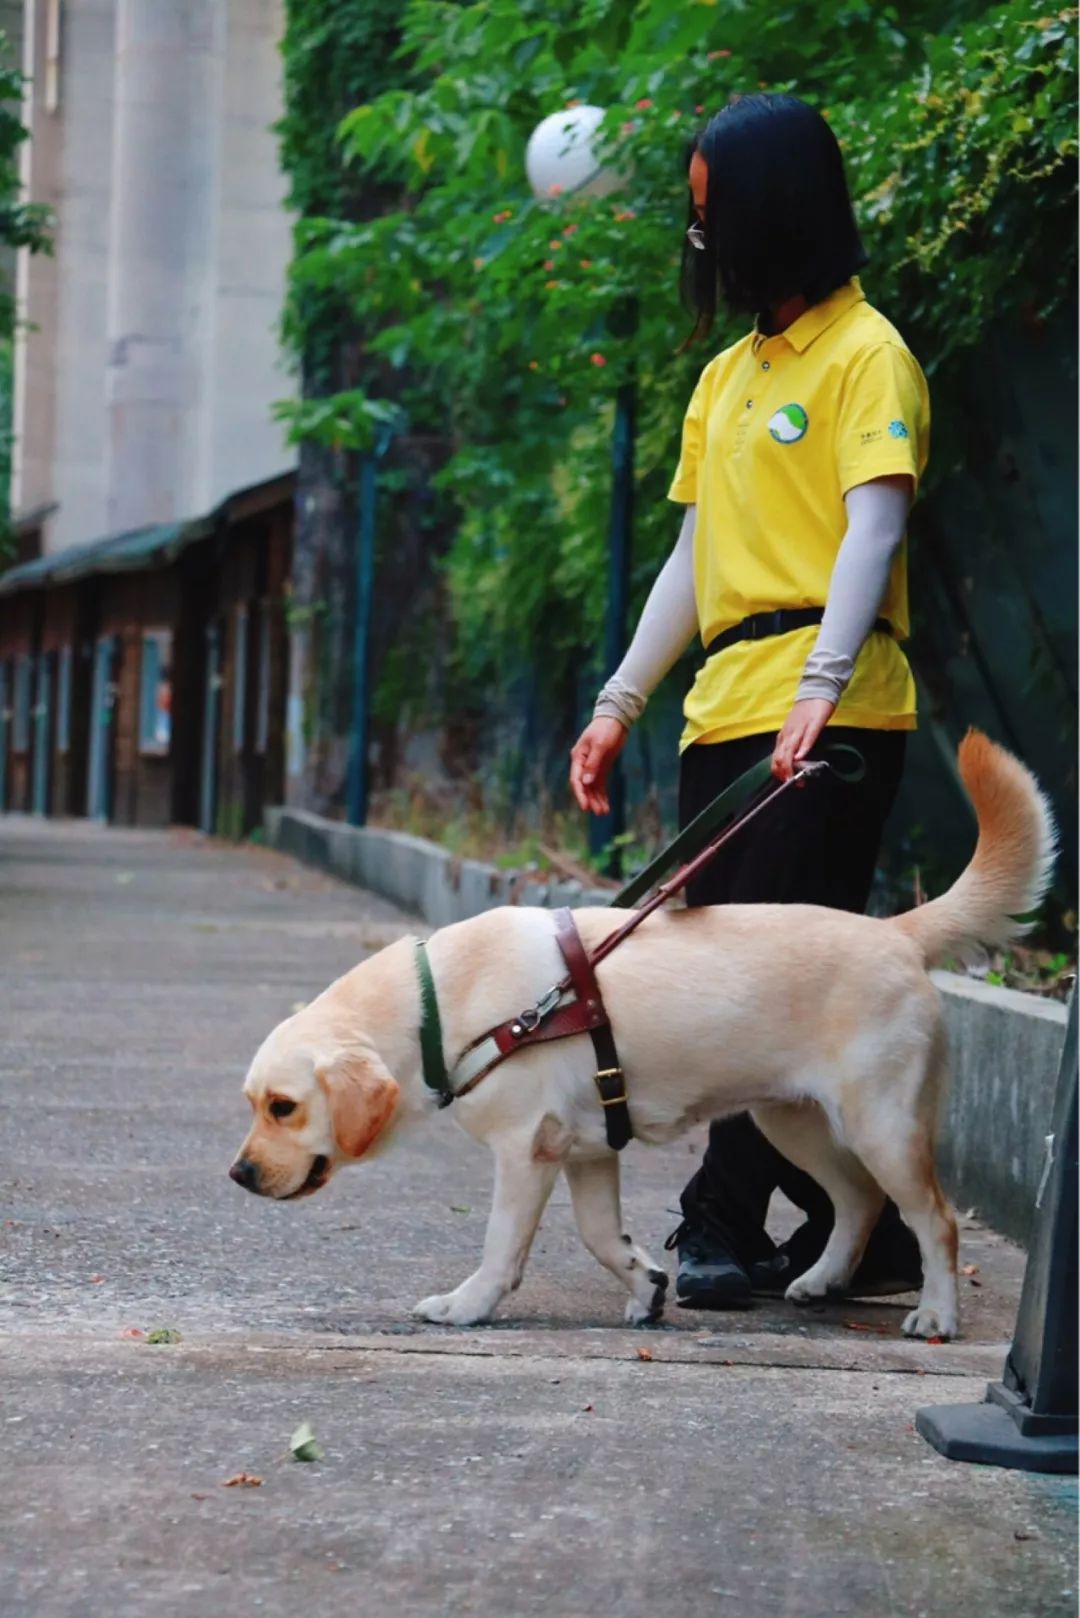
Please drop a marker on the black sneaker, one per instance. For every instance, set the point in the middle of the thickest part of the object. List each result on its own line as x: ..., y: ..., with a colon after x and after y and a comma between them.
x: 891, y: 1263
x: 710, y: 1276
x: 772, y: 1276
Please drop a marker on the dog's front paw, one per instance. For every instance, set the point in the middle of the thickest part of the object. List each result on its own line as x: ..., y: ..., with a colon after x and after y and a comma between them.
x: 637, y: 1313
x: 641, y: 1311
x: 805, y: 1290
x: 926, y: 1321
x: 452, y: 1309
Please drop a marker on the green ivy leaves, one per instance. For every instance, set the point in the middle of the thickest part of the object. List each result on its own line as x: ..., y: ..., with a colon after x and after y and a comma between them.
x: 492, y: 312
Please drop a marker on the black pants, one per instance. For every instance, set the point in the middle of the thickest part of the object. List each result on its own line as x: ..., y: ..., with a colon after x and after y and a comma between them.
x: 817, y: 845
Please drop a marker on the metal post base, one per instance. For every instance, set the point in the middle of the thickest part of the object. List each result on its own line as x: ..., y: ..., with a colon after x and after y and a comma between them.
x: 999, y: 1433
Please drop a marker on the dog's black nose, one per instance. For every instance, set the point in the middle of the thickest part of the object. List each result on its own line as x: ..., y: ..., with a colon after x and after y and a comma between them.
x: 244, y: 1173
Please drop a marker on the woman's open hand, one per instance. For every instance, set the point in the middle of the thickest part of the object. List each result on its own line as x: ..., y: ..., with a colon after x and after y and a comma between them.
x: 802, y: 727
x: 591, y: 758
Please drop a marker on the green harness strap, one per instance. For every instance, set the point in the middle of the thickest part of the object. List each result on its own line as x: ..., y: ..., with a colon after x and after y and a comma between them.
x: 431, y: 1040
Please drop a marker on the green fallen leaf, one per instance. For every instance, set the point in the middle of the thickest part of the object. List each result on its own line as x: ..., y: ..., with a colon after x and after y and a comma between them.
x: 163, y: 1334
x: 457, y: 1208
x: 304, y: 1445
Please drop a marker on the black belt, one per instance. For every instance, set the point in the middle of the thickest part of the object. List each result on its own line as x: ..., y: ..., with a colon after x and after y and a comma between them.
x: 760, y: 625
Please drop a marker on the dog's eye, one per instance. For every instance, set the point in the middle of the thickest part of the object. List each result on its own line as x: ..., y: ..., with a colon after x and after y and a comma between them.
x: 282, y: 1109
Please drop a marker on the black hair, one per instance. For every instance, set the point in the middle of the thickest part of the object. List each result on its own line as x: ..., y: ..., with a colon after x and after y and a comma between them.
x: 778, y: 216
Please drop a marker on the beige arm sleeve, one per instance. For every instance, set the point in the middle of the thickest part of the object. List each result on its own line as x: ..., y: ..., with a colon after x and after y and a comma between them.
x: 877, y: 515
x: 668, y: 623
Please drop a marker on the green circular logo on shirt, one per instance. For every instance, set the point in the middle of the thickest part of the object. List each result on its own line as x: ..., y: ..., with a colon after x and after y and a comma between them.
x: 789, y: 424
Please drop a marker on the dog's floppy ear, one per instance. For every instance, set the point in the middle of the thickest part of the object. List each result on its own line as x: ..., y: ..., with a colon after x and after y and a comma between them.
x: 362, y: 1096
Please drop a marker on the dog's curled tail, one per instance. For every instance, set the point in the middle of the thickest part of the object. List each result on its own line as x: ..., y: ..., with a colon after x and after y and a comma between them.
x: 1011, y: 868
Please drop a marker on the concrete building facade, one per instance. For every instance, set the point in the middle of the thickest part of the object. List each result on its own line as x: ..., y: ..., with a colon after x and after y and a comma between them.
x: 146, y: 372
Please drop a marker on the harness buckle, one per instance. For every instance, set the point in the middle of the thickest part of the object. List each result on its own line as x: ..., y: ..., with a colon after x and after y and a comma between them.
x: 610, y: 1073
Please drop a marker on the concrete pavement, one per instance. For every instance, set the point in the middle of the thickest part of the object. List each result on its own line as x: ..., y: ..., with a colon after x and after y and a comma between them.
x: 760, y: 1463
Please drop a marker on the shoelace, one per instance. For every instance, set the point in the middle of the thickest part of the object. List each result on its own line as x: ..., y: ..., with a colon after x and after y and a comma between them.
x: 676, y: 1236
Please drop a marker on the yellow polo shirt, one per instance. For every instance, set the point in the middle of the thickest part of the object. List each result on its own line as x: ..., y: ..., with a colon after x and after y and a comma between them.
x: 777, y: 431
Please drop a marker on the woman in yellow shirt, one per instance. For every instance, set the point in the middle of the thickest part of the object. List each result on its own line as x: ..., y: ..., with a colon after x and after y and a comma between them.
x: 802, y: 449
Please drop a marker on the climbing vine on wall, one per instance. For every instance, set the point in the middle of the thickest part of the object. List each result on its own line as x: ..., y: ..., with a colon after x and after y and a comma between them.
x: 22, y: 224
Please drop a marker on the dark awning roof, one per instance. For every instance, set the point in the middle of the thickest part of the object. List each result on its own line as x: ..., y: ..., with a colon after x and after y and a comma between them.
x: 139, y: 549
x: 120, y: 553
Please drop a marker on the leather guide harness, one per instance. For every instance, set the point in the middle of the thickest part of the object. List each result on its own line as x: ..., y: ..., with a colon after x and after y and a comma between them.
x: 575, y: 1004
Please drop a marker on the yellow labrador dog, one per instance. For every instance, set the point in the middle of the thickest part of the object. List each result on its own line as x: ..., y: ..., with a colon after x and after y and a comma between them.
x: 823, y: 1023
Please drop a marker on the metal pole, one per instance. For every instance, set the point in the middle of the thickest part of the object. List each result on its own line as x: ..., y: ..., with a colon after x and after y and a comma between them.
x: 603, y: 829
x: 365, y: 570
x: 357, y: 783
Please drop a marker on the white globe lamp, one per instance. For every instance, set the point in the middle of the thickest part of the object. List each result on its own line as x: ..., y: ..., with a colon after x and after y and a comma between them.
x: 561, y: 157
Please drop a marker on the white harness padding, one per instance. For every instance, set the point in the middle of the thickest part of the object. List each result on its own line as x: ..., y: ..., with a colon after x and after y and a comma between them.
x: 478, y: 1058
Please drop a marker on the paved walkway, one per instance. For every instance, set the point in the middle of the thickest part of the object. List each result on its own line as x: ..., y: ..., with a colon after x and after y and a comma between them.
x: 760, y: 1464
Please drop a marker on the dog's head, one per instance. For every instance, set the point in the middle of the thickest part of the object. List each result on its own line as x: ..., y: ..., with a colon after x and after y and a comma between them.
x: 317, y: 1103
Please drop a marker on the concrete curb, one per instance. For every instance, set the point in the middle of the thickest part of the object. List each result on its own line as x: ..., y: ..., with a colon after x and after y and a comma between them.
x: 413, y: 873
x: 1006, y: 1049
x: 1005, y: 1046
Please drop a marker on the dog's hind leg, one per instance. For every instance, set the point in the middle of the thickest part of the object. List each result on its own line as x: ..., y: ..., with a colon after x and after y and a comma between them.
x: 594, y: 1191
x: 802, y: 1132
x: 522, y: 1187
x: 895, y: 1140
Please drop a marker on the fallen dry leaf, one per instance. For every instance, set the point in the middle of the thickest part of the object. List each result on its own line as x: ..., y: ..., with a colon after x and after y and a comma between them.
x: 866, y: 1325
x: 969, y: 1269
x: 242, y: 1480
x: 935, y: 1339
x: 586, y: 1407
x: 132, y: 1331
x: 644, y: 1354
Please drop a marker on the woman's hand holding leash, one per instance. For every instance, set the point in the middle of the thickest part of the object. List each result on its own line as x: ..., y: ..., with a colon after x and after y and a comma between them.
x: 802, y: 727
x: 591, y: 758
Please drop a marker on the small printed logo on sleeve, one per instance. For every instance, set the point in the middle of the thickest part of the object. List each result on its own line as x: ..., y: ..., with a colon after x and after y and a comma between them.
x: 897, y: 429
x: 789, y: 424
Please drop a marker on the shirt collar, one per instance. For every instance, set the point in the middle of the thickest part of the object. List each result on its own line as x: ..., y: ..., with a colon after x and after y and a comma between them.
x: 802, y: 332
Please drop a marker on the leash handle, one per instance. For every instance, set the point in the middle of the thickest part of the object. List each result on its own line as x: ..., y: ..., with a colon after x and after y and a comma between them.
x: 852, y: 772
